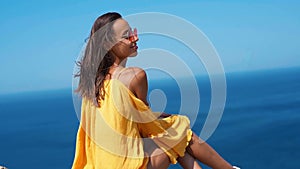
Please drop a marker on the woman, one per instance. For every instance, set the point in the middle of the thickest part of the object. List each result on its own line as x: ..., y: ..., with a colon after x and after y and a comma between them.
x: 117, y: 127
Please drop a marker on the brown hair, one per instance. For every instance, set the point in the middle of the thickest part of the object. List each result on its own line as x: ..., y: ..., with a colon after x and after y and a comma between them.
x: 96, y: 61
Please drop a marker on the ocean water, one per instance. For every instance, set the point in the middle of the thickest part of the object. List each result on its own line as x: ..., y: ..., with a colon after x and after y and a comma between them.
x: 260, y: 126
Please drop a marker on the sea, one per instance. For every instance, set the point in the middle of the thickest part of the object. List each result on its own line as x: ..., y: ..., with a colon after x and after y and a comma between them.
x: 259, y: 127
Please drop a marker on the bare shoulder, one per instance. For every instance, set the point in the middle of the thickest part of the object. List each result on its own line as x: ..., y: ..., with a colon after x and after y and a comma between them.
x: 135, y: 73
x: 138, y: 83
x: 135, y: 79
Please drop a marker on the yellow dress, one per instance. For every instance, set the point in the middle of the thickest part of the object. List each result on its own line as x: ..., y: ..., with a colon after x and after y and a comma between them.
x: 111, y: 136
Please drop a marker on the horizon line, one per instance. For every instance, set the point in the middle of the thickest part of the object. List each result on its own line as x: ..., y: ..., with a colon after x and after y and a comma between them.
x: 152, y: 79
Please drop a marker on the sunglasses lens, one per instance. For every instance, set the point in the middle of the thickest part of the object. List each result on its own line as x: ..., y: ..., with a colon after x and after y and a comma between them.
x: 132, y: 35
x: 135, y: 32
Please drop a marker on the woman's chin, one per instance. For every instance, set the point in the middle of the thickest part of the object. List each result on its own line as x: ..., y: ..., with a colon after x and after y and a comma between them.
x: 133, y: 54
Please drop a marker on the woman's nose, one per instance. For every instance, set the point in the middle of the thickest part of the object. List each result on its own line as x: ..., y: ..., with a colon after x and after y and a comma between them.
x: 135, y: 38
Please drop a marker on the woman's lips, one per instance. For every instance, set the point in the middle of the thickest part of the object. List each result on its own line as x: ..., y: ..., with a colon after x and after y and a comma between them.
x: 135, y: 47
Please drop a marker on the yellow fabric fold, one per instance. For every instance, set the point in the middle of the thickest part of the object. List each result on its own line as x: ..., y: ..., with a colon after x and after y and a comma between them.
x: 111, y: 136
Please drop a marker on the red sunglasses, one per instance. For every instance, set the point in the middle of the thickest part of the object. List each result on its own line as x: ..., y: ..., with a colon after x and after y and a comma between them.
x: 132, y: 35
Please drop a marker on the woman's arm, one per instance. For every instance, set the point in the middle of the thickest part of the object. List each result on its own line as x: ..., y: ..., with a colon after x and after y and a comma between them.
x: 140, y: 87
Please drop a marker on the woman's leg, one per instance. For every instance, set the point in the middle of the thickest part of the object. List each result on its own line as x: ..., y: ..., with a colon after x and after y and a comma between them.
x: 188, y: 162
x: 197, y: 149
x: 206, y: 154
x: 157, y: 158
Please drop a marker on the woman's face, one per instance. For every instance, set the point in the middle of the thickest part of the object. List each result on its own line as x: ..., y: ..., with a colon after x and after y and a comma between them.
x: 126, y: 45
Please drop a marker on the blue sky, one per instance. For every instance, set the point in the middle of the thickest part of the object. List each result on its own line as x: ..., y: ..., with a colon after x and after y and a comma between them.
x: 41, y: 40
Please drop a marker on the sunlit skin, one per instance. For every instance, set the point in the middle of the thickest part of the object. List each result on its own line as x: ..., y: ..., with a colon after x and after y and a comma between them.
x: 136, y: 80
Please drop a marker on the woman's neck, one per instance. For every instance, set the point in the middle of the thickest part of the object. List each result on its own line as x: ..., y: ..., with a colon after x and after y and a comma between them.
x: 119, y: 62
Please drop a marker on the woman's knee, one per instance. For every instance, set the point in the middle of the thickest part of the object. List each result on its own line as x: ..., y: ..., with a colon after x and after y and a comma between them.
x: 196, y: 139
